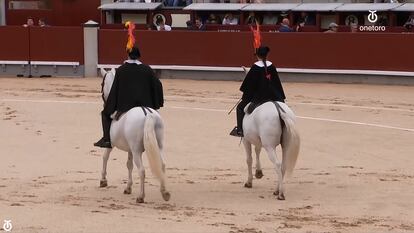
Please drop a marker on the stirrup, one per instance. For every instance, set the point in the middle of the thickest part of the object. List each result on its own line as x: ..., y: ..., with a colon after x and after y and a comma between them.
x: 236, y: 132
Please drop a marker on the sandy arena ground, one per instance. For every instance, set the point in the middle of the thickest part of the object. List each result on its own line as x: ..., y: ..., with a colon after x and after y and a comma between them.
x: 354, y: 173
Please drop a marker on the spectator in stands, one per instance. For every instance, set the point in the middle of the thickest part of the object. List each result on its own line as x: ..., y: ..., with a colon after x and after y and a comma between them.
x: 408, y: 27
x: 250, y: 1
x: 42, y: 23
x: 333, y: 27
x: 190, y: 25
x: 177, y: 3
x: 29, y: 22
x: 385, y: 1
x: 285, y: 26
x: 382, y: 20
x: 199, y: 25
x: 269, y: 18
x: 353, y: 27
x: 252, y: 19
x: 306, y: 19
x: 172, y: 2
x: 213, y: 19
x: 161, y: 26
x: 229, y: 19
x: 410, y: 19
x: 150, y: 27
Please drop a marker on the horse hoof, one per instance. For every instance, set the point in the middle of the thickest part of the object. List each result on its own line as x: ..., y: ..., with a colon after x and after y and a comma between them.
x: 281, y: 197
x: 259, y: 174
x: 103, y: 183
x: 127, y: 191
x: 248, y: 185
x: 140, y: 200
x: 276, y: 193
x: 166, y: 196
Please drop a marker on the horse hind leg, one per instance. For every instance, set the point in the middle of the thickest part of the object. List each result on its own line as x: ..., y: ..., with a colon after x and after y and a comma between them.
x: 165, y: 194
x: 130, y: 166
x: 137, y: 156
x: 103, y: 183
x: 159, y: 132
x: 249, y: 160
x: 259, y: 172
x: 271, y: 152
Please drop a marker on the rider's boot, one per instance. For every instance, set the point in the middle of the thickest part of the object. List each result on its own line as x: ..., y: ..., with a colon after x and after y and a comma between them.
x: 237, y: 132
x: 105, y: 142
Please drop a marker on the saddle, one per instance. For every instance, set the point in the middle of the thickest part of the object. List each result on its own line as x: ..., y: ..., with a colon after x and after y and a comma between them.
x: 252, y: 106
x: 117, y: 115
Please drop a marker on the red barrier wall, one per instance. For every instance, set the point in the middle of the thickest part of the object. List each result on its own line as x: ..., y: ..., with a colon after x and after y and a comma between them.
x: 62, y: 13
x: 56, y: 44
x: 361, y: 51
x: 178, y: 48
x: 364, y: 51
x: 14, y: 45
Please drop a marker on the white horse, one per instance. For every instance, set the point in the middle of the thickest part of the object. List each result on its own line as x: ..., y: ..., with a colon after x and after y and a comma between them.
x: 269, y: 125
x: 136, y: 132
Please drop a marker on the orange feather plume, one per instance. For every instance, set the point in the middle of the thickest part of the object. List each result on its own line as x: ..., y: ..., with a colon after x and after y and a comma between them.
x: 257, y: 38
x: 131, y: 37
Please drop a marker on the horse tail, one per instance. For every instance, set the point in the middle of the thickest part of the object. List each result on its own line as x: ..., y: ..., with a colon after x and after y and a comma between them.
x: 290, y: 140
x: 152, y: 149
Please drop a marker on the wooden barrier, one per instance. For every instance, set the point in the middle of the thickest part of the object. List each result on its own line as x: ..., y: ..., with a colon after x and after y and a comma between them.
x: 333, y: 51
x: 14, y: 43
x: 351, y: 51
x: 63, y: 44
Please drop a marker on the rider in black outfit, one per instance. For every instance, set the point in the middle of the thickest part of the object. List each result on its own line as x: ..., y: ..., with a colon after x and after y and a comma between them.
x: 261, y: 84
x: 134, y: 85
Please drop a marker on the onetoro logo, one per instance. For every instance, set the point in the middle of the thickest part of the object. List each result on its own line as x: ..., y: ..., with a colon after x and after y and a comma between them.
x: 372, y: 18
x: 372, y: 28
x: 7, y: 226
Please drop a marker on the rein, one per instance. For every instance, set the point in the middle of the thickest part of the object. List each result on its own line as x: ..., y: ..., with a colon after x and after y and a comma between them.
x: 145, y: 112
x: 102, y: 87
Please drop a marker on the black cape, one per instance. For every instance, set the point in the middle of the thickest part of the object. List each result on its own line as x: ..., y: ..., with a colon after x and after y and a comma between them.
x: 257, y: 88
x: 134, y: 85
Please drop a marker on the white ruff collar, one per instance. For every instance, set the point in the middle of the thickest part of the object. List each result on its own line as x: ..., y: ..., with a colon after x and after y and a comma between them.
x: 133, y: 62
x: 261, y: 64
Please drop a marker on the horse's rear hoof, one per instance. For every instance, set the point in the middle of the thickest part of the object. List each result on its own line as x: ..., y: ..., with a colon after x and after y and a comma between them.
x: 127, y: 191
x: 103, y: 183
x: 281, y: 197
x: 259, y: 174
x: 140, y: 200
x: 248, y: 185
x: 166, y: 196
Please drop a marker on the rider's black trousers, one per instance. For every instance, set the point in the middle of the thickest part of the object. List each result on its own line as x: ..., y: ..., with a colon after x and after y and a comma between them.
x: 106, y: 126
x: 240, y: 113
